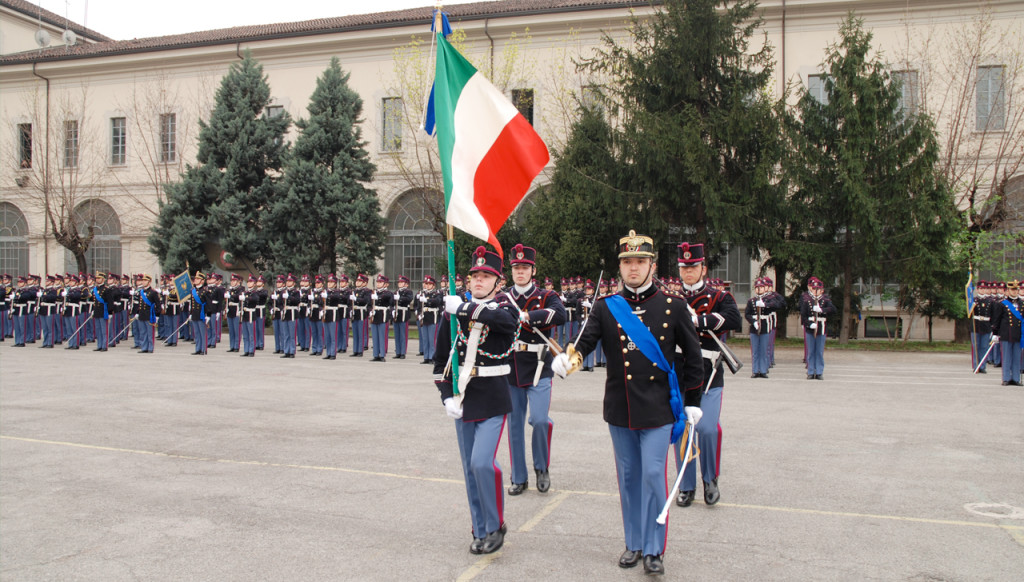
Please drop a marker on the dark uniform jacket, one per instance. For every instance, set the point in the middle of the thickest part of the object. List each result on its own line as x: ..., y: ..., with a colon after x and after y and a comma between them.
x: 345, y: 307
x: 981, y: 319
x: 262, y: 297
x: 109, y: 296
x: 5, y: 298
x: 201, y: 308
x: 545, y: 311
x: 717, y: 313
x: 485, y: 396
x: 636, y: 392
x: 72, y: 301
x: 48, y: 303
x: 362, y: 302
x: 250, y: 303
x: 146, y: 313
x: 808, y: 316
x: 332, y: 304
x: 316, y: 304
x: 1005, y: 324
x: 234, y: 307
x: 291, y: 301
x: 430, y: 304
x: 382, y: 306
x: 764, y: 315
x: 403, y: 304
x: 305, y: 303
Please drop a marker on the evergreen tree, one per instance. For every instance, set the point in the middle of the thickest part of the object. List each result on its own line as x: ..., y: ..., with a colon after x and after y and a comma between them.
x: 864, y: 171
x: 221, y: 200
x: 325, y: 210
x: 698, y: 135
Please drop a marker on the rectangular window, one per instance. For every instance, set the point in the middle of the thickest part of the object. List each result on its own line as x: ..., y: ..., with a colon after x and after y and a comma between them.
x: 391, y: 133
x: 71, y: 143
x: 118, y: 142
x: 24, y: 145
x: 275, y: 111
x: 168, y: 138
x: 816, y: 87
x: 991, y: 106
x: 523, y: 100
x: 909, y: 92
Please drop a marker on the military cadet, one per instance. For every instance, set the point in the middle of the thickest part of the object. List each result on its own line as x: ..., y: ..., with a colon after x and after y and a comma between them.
x: 584, y: 304
x: 568, y: 297
x: 997, y: 292
x: 332, y: 300
x: 479, y: 406
x: 260, y: 315
x: 302, y: 328
x: 233, y: 312
x: 134, y: 309
x: 48, y: 312
x: 177, y: 314
x: 713, y: 313
x: 71, y: 307
x: 116, y: 310
x: 149, y: 311
x: 1006, y: 330
x: 317, y: 301
x: 20, y: 307
x: 432, y: 302
x: 290, y: 298
x: 104, y: 298
x: 249, y: 304
x: 981, y: 327
x: 6, y: 293
x: 529, y: 381
x: 344, y: 312
x: 814, y: 313
x: 198, y: 314
x: 759, y: 313
x: 645, y: 408
x: 218, y: 304
x: 361, y: 299
x: 403, y: 310
x: 278, y: 306
x: 382, y: 302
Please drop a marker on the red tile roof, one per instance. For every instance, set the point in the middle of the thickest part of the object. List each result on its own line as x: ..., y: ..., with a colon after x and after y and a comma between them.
x: 33, y: 10
x: 457, y: 12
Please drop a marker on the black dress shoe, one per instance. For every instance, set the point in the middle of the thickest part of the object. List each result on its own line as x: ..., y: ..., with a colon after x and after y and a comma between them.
x: 818, y: 377
x: 94, y: 349
x: 630, y: 558
x: 278, y: 352
x: 493, y: 542
x: 810, y: 376
x: 711, y: 494
x: 334, y: 357
x: 427, y: 362
x: 684, y: 498
x: 518, y: 488
x: 1007, y: 383
x: 755, y: 375
x: 982, y: 371
x: 400, y: 357
x: 477, y: 546
x: 653, y: 565
x: 543, y: 481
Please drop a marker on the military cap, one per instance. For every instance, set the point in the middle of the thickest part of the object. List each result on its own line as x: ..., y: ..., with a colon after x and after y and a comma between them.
x: 486, y: 261
x: 523, y: 255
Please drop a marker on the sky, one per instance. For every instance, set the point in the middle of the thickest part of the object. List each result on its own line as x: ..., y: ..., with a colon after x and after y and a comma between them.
x: 127, y: 19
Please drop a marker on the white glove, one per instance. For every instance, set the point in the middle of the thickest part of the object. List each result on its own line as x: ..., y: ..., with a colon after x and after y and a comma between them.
x: 451, y: 409
x: 560, y: 365
x: 227, y: 295
x: 757, y: 326
x: 274, y: 296
x: 693, y: 414
x: 814, y: 325
x: 64, y: 293
x: 452, y: 303
x: 352, y: 296
x: 323, y: 294
x: 995, y: 339
x: 694, y: 318
x: 587, y: 304
x: 374, y: 295
x: 816, y: 309
x: 39, y: 293
x: 311, y: 297
x: 284, y: 295
x: 166, y: 292
x: 759, y: 303
x: 206, y: 319
x: 524, y: 316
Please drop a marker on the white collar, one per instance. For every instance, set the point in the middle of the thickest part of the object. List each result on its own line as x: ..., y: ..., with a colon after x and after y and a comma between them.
x: 640, y: 290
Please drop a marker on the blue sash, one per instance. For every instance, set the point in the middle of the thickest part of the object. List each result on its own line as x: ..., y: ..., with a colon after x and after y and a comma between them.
x: 96, y: 294
x: 152, y: 308
x: 644, y: 340
x: 202, y: 306
x: 1012, y: 309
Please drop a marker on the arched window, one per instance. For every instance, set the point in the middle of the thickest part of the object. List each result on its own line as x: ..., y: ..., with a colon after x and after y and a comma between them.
x: 104, y: 253
x: 414, y: 246
x: 13, y: 240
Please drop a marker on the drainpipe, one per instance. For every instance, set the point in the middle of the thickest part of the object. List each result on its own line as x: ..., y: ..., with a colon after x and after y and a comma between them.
x: 491, y: 50
x: 46, y: 175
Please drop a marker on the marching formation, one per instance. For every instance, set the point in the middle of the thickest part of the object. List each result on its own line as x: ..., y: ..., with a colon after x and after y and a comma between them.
x: 996, y: 329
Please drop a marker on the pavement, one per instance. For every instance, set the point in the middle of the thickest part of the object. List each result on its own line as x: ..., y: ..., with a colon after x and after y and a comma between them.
x: 125, y: 466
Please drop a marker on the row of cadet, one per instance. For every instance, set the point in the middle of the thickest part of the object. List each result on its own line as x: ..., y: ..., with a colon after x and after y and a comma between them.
x: 996, y: 329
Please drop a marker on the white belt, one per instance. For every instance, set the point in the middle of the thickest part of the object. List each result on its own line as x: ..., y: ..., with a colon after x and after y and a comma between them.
x: 331, y: 308
x: 710, y: 354
x: 766, y: 316
x: 292, y: 307
x: 249, y: 308
x: 522, y: 346
x: 359, y: 307
x: 48, y: 304
x: 981, y: 317
x: 379, y: 308
x: 489, y: 371
x: 431, y: 309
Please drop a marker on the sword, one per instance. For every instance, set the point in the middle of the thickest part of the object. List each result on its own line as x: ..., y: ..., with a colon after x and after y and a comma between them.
x: 467, y: 370
x: 87, y: 320
x: 663, y: 516
x: 177, y: 330
x: 985, y: 357
x: 587, y: 318
x: 726, y: 353
x: 130, y: 321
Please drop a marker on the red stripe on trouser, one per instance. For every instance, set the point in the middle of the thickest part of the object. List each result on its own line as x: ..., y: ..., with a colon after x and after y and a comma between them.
x: 499, y: 490
x: 670, y: 451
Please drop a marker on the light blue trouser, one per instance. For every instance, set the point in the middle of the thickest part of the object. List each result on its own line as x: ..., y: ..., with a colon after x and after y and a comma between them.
x: 331, y: 337
x: 343, y: 335
x: 19, y: 329
x: 478, y: 447
x: 49, y: 329
x: 70, y: 325
x: 401, y: 337
x: 979, y: 345
x: 288, y: 336
x: 538, y: 398
x: 136, y: 332
x: 145, y: 337
x: 759, y: 353
x: 419, y: 335
x: 258, y: 332
x: 317, y: 336
x: 199, y: 334
x: 5, y: 323
x: 641, y: 457
x: 427, y: 336
x: 380, y: 339
x: 358, y: 337
x: 709, y: 440
x: 303, y: 332
x: 815, y: 353
x: 233, y: 335
x: 278, y: 335
x: 102, y: 330
x: 248, y: 331
x: 1011, y: 361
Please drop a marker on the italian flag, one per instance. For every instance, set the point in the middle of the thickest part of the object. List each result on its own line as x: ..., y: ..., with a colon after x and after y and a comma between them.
x: 489, y: 152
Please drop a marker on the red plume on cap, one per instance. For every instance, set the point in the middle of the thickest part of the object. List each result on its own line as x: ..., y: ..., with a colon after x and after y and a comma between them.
x: 481, y: 252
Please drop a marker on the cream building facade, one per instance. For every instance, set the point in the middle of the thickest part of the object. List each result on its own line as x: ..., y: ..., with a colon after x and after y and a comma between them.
x: 94, y: 129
